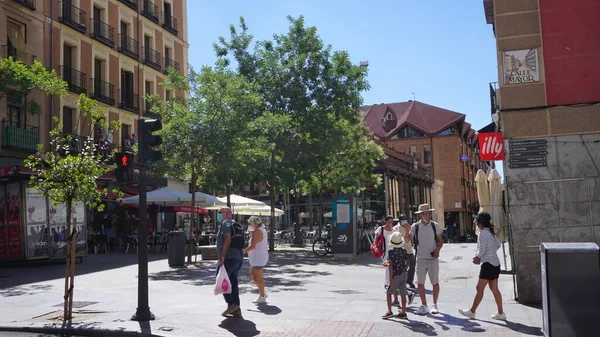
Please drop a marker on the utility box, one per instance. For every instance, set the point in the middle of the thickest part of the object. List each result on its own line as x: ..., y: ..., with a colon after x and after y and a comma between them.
x: 570, y: 289
x: 176, y: 249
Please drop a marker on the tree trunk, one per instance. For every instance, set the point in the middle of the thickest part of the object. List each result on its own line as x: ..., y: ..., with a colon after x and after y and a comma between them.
x: 193, y: 217
x: 320, y: 212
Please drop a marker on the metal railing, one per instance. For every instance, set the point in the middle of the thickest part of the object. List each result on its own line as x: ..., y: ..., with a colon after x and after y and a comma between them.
x: 170, y: 23
x: 76, y: 80
x: 152, y: 58
x: 72, y: 16
x: 18, y: 55
x: 148, y: 112
x: 27, y: 3
x: 129, y: 100
x: 103, y: 91
x: 103, y: 32
x: 130, y: 3
x: 129, y: 46
x: 171, y: 63
x: 150, y: 11
x: 20, y: 136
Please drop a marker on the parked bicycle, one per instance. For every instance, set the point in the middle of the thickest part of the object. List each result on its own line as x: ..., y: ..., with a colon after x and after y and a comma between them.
x: 323, y: 245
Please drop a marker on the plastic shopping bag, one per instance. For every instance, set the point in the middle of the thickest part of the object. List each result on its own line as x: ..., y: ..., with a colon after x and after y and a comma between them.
x: 222, y: 285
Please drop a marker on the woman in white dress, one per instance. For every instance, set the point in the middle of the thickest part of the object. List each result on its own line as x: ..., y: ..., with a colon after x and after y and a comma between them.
x: 258, y: 255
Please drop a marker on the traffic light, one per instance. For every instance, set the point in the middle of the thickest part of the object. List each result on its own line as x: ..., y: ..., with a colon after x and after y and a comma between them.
x: 148, y: 142
x: 124, y: 170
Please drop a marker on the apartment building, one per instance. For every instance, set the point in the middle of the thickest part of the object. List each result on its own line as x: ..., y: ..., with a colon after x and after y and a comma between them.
x: 441, y: 141
x: 115, y: 51
x: 547, y: 102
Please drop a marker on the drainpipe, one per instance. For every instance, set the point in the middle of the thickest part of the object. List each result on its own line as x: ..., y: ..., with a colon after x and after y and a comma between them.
x: 51, y: 119
x: 139, y: 69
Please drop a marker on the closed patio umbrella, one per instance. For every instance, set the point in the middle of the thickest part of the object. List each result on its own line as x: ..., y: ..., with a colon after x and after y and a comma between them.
x: 483, y: 191
x: 495, y: 209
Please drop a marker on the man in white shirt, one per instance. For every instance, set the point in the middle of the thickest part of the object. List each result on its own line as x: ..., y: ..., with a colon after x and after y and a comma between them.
x: 427, y: 236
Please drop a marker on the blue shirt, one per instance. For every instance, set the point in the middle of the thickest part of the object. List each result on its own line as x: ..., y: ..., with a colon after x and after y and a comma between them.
x: 398, y: 256
x: 232, y: 253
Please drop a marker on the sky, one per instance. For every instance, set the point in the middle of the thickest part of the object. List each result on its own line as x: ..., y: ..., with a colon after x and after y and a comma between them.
x: 442, y: 51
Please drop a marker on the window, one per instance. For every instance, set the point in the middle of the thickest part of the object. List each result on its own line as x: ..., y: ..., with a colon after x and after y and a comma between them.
x: 125, y: 135
x: 448, y: 131
x: 167, y: 95
x: 409, y: 132
x: 389, y: 116
x: 67, y: 120
x: 16, y: 116
x: 427, y: 157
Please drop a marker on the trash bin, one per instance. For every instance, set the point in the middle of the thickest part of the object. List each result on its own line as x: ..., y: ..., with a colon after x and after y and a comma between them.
x: 570, y: 292
x: 176, y: 249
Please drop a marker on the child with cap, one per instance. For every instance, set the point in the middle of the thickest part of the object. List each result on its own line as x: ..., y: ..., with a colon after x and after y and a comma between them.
x: 397, y: 263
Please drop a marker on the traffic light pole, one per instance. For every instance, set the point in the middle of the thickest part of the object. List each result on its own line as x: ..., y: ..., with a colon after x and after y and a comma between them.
x: 143, y: 313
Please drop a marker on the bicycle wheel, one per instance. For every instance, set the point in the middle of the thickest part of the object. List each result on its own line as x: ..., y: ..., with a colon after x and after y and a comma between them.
x: 320, y: 248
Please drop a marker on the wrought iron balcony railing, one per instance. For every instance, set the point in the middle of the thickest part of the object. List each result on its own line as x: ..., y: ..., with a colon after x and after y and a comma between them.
x: 152, y: 58
x: 18, y: 55
x: 27, y: 3
x: 129, y: 101
x: 133, y: 4
x: 20, y: 137
x: 150, y: 11
x: 72, y: 16
x: 171, y: 63
x: 129, y: 46
x: 170, y: 23
x: 103, y: 91
x: 76, y: 80
x: 148, y: 112
x: 103, y: 32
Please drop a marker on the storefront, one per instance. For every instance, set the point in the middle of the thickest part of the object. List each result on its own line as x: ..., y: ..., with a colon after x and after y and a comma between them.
x: 31, y: 226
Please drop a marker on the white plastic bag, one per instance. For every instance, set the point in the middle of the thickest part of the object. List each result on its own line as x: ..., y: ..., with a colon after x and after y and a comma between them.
x: 222, y: 285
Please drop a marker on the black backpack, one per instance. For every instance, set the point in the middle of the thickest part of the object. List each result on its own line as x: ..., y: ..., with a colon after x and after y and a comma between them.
x: 416, y: 237
x: 237, y: 236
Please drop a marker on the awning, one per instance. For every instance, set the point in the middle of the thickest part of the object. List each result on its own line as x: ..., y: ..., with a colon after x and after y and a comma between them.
x: 489, y: 128
x: 188, y: 209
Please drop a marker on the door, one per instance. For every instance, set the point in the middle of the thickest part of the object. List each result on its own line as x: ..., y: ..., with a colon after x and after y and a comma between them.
x: 67, y: 63
x: 124, y: 35
x: 167, y: 7
x: 98, y: 71
x: 127, y: 87
x: 147, y: 45
x: 97, y: 18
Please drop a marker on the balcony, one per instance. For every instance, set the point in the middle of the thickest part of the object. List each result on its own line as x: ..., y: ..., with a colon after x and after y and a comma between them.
x: 150, y: 11
x: 103, y: 91
x: 27, y: 3
x: 133, y: 4
x: 170, y: 63
x: 20, y: 137
x: 152, y: 58
x: 76, y: 80
x: 103, y: 32
x: 129, y: 101
x: 148, y: 112
x: 72, y: 16
x: 18, y: 55
x: 170, y: 24
x: 494, y: 97
x: 129, y: 46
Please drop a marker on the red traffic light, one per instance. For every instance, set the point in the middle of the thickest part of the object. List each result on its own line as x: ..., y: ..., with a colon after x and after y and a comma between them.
x: 124, y: 159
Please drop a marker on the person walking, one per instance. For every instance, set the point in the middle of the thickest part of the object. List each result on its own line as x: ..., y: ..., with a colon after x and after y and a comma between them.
x: 258, y: 255
x: 428, y: 241
x: 450, y: 228
x: 386, y: 230
x: 231, y: 257
x: 404, y: 228
x: 397, y: 265
x: 487, y: 256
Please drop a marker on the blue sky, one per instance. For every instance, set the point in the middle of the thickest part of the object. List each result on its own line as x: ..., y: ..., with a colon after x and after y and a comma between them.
x: 442, y: 51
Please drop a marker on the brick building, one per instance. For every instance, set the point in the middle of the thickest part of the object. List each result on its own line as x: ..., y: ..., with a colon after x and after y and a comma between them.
x: 547, y: 101
x: 441, y: 141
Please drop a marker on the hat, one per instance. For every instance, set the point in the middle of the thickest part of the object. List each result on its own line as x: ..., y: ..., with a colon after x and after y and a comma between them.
x: 424, y: 208
x: 254, y: 219
x: 396, y: 240
x: 388, y: 217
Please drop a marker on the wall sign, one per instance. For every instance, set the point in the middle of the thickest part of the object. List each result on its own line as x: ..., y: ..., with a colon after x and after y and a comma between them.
x: 528, y: 153
x: 491, y: 146
x: 520, y: 66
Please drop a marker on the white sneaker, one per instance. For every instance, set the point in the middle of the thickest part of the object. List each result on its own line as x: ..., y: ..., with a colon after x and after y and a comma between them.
x: 260, y: 300
x: 434, y: 309
x: 501, y: 316
x: 467, y: 313
x: 423, y: 310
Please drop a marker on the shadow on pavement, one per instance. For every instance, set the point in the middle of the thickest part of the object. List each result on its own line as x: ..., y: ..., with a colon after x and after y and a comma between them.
x: 238, y: 326
x: 416, y: 326
x: 444, y: 320
x: 266, y: 309
x: 519, y: 327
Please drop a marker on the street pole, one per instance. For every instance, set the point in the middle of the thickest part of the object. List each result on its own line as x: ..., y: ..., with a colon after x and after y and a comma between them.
x: 143, y: 313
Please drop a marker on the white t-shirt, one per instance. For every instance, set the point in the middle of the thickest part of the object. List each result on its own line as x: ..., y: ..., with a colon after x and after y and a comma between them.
x: 407, y: 244
x: 427, y: 243
x: 386, y: 238
x: 259, y: 256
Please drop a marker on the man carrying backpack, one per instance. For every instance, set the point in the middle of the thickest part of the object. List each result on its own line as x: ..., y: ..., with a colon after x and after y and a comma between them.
x: 230, y: 252
x: 427, y: 240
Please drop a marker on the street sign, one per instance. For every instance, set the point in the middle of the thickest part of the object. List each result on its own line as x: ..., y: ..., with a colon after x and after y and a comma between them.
x: 528, y: 153
x: 342, y: 238
x: 344, y: 224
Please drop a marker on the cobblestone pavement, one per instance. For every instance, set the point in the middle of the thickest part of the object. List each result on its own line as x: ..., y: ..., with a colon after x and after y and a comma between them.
x: 308, y: 296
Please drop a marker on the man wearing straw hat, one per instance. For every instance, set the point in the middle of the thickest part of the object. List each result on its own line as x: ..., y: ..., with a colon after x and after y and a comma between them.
x: 427, y: 239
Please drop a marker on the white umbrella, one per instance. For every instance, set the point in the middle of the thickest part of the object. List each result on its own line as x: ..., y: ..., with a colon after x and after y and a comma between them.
x: 208, y: 200
x: 261, y: 211
x: 483, y: 191
x: 495, y: 208
x: 237, y: 201
x: 162, y: 196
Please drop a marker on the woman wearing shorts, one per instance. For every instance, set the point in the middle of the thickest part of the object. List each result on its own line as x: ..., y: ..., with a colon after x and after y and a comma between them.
x: 487, y: 256
x: 258, y: 254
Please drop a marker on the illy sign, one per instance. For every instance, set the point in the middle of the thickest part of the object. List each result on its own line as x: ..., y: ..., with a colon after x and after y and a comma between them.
x: 491, y: 146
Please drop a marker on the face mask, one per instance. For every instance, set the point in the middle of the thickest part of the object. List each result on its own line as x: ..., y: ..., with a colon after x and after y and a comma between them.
x: 403, y: 222
x: 426, y: 221
x: 219, y: 217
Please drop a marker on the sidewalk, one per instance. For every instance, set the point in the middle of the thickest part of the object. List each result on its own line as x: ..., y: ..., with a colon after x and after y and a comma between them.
x: 308, y: 296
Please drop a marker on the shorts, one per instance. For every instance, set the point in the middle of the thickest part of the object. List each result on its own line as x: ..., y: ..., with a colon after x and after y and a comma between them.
x: 429, y: 267
x: 489, y: 272
x: 398, y: 284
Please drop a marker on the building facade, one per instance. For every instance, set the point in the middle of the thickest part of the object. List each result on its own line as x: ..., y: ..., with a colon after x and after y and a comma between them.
x: 113, y: 51
x: 441, y: 141
x: 547, y: 102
